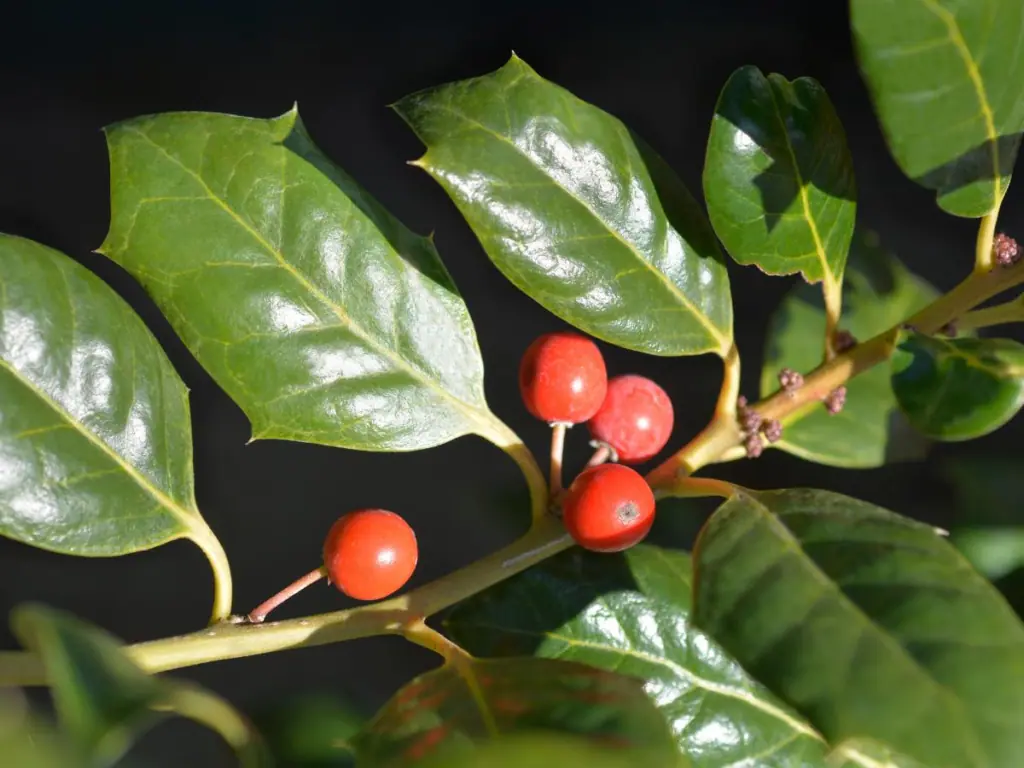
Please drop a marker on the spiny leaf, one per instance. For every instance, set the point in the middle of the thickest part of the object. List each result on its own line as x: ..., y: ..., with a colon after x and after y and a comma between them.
x: 444, y: 713
x: 95, y: 434
x: 322, y: 316
x: 778, y: 178
x: 946, y: 79
x: 958, y: 389
x: 878, y: 293
x: 631, y: 613
x: 576, y: 211
x: 870, y: 624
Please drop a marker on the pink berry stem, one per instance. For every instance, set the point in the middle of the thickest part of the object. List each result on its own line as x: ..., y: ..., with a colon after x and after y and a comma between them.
x: 557, y: 448
x: 601, y: 455
x: 259, y: 613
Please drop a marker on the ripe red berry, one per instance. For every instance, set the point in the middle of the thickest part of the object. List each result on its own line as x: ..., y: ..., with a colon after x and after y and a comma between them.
x: 370, y: 553
x: 562, y: 378
x: 608, y: 508
x: 635, y: 419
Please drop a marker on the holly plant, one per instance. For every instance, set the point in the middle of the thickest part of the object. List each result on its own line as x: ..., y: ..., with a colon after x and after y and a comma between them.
x: 805, y: 628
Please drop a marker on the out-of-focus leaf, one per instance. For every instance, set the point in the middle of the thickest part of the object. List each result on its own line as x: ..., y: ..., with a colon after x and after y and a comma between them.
x: 869, y: 623
x: 103, y: 699
x: 958, y: 389
x: 946, y: 79
x: 630, y: 613
x: 311, y: 731
x: 318, y: 312
x: 778, y: 178
x: 447, y: 712
x: 879, y: 292
x: 995, y: 552
x: 27, y: 742
x: 541, y: 749
x: 575, y: 211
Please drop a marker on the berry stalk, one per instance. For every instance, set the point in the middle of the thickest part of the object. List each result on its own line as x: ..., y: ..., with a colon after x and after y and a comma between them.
x: 260, y: 612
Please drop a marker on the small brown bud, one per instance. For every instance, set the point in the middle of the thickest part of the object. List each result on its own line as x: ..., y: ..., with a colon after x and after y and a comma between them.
x: 772, y: 429
x: 750, y: 420
x: 843, y: 341
x: 790, y: 380
x: 949, y: 329
x: 908, y: 327
x: 754, y: 446
x: 741, y: 403
x: 1006, y: 250
x: 836, y: 400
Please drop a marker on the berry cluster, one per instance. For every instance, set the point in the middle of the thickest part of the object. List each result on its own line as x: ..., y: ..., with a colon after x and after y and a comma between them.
x: 563, y: 381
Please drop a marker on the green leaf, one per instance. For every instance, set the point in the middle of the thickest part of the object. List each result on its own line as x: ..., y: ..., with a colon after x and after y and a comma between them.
x: 103, y: 698
x: 778, y: 178
x: 319, y: 313
x: 631, y: 613
x: 995, y: 552
x: 945, y: 76
x: 310, y: 731
x: 958, y: 389
x: 869, y: 623
x: 541, y: 749
x: 879, y: 292
x: 27, y: 742
x: 576, y: 211
x: 448, y: 711
x: 95, y: 434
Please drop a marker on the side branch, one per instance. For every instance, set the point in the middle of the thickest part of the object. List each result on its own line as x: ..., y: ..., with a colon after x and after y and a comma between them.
x: 231, y: 641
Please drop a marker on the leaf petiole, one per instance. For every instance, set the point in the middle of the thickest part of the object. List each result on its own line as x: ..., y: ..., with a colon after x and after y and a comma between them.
x: 558, y: 430
x: 1010, y: 312
x: 216, y: 714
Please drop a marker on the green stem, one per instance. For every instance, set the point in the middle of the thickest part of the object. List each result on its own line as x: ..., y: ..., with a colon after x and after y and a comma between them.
x: 421, y: 634
x: 545, y: 538
x: 721, y: 436
x: 698, y: 488
x: 222, y: 585
x: 984, y: 258
x: 832, y: 290
x: 499, y: 433
x: 212, y: 711
x: 1010, y: 312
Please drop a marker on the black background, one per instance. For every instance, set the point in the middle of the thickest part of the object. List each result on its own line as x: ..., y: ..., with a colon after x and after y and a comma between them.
x: 67, y: 69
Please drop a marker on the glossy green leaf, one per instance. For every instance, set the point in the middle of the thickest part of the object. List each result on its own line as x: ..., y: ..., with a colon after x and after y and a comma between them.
x: 778, y: 178
x: 319, y: 313
x: 630, y: 613
x: 958, y: 389
x: 95, y: 435
x: 310, y: 731
x: 558, y: 751
x: 576, y: 211
x: 448, y: 711
x: 878, y: 293
x: 869, y: 623
x: 103, y: 698
x: 946, y: 79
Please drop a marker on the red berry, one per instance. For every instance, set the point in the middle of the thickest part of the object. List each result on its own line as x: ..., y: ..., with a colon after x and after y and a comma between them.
x: 562, y: 378
x: 370, y: 553
x: 608, y: 508
x: 635, y: 418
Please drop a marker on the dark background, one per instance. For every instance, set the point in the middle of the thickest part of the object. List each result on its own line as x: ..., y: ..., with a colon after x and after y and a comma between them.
x: 67, y: 69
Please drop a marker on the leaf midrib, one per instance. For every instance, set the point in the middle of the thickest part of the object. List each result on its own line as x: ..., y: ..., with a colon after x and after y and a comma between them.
x: 956, y: 38
x: 675, y: 668
x: 483, y: 419
x: 188, y: 518
x: 705, y: 321
x: 790, y: 542
x: 828, y: 276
